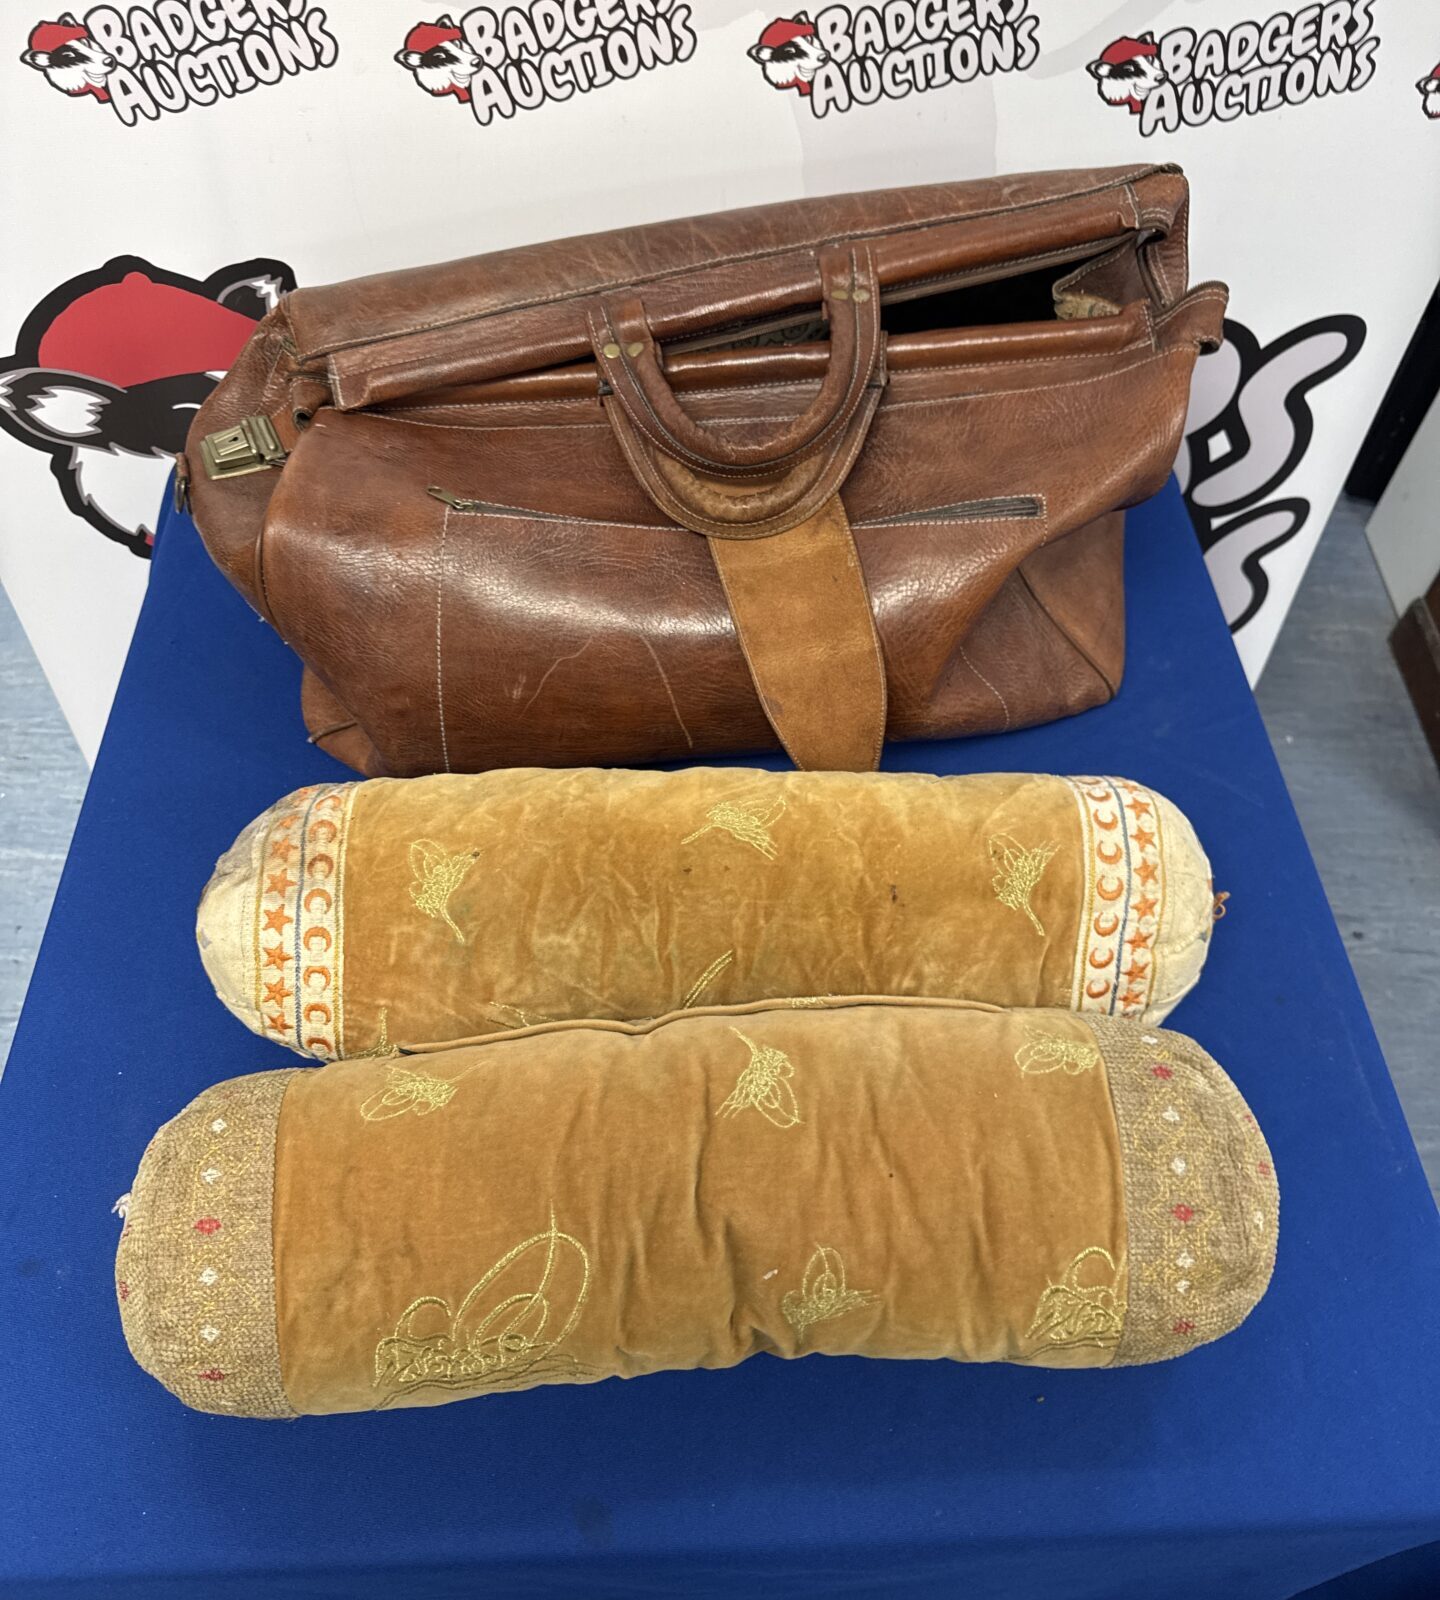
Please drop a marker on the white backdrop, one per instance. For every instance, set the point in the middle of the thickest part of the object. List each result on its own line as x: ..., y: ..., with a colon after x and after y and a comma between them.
x: 171, y: 166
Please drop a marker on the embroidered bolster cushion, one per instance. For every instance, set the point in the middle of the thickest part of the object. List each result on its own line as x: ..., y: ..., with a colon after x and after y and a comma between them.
x: 428, y: 910
x: 882, y: 1177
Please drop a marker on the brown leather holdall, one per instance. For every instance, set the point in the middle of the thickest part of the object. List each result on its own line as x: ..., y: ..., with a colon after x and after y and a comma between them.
x: 817, y: 474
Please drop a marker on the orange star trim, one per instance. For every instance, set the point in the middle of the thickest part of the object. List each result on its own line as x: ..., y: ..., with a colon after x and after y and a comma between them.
x: 1141, y: 808
x: 1145, y: 907
x: 276, y: 955
x: 1147, y: 872
x: 283, y: 849
x: 1130, y: 1001
x: 275, y: 920
x: 277, y: 1023
x: 276, y: 994
x: 1135, y: 974
x: 1144, y: 838
x: 279, y: 883
x: 1139, y: 941
x: 288, y: 822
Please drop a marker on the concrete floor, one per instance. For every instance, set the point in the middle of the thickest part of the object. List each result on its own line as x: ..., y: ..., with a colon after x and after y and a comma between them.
x: 1358, y: 767
x: 42, y: 780
x: 1368, y: 794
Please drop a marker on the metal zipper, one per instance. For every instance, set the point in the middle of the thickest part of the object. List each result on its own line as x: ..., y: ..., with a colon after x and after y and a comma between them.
x: 458, y: 502
x: 1016, y: 506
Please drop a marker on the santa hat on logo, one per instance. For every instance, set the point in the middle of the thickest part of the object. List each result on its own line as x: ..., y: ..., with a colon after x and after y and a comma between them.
x: 137, y: 330
x: 785, y: 30
x: 46, y: 37
x: 426, y: 35
x: 1123, y: 50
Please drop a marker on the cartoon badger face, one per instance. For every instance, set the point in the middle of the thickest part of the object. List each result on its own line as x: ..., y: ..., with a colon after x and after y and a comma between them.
x: 789, y: 53
x: 437, y: 54
x: 111, y: 367
x: 70, y: 59
x: 1128, y: 70
x: 1430, y: 93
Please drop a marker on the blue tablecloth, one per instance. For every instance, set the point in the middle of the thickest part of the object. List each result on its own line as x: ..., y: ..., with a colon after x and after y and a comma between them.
x: 1305, y: 1444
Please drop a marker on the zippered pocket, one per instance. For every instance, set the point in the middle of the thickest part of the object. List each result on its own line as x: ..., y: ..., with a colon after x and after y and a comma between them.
x: 459, y: 502
x: 1007, y: 508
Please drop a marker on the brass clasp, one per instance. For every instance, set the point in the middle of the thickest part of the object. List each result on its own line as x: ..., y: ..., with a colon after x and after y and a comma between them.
x: 251, y: 445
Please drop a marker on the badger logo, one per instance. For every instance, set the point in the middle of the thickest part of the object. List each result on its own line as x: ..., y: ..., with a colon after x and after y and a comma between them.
x: 790, y: 53
x: 1430, y: 93
x: 440, y: 60
x: 110, y: 368
x: 1127, y: 71
x: 70, y: 59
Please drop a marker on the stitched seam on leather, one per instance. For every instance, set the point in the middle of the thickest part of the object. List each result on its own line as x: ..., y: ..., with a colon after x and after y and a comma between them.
x: 795, y: 246
x: 1222, y: 296
x: 859, y: 570
x: 1164, y: 220
x: 1000, y: 364
x: 891, y: 404
x: 965, y: 657
x: 1040, y: 388
x: 1110, y: 688
x: 439, y: 660
x: 725, y: 390
x: 456, y: 427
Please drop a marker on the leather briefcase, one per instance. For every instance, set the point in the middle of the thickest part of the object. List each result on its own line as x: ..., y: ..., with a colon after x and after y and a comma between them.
x: 813, y: 474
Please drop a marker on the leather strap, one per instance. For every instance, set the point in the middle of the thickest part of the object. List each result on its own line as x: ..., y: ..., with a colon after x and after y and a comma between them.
x: 803, y: 615
x: 771, y: 511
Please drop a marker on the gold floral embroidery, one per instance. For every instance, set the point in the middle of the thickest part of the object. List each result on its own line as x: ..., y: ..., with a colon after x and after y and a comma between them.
x: 764, y: 1084
x: 406, y: 1090
x: 822, y: 1294
x: 1017, y: 871
x: 1079, y: 1312
x: 382, y: 1046
x: 750, y: 824
x: 706, y: 978
x: 438, y: 874
x: 511, y: 1016
x: 501, y: 1337
x: 1049, y: 1052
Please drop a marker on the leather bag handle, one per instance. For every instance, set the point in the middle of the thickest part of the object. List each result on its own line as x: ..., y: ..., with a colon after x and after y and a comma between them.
x: 772, y: 513
x: 629, y: 360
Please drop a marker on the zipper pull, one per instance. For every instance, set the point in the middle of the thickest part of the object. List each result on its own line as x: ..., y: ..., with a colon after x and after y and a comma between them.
x: 456, y: 502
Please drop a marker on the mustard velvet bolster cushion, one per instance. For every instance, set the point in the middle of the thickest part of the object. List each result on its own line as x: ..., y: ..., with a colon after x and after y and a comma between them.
x: 899, y: 1178
x: 418, y: 911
